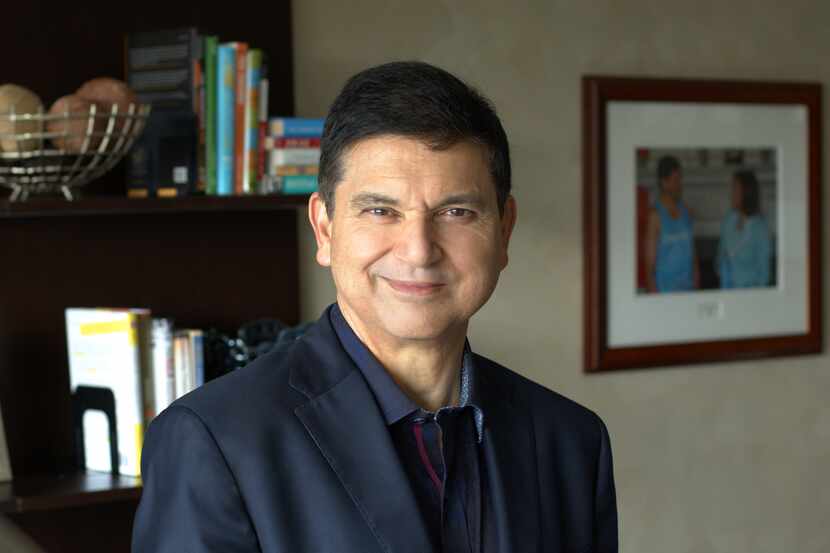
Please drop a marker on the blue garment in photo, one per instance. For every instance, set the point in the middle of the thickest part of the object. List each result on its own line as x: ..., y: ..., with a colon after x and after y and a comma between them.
x: 673, y: 270
x: 743, y: 258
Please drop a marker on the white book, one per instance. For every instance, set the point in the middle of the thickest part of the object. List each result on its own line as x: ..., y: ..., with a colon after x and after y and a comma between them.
x: 181, y: 363
x: 110, y: 349
x: 292, y: 156
x: 164, y: 373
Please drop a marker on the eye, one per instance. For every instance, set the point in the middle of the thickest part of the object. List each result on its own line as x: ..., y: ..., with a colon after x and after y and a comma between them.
x: 378, y: 211
x: 458, y: 212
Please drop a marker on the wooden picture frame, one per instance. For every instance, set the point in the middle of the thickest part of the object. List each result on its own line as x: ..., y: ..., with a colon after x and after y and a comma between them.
x: 5, y: 462
x: 662, y: 160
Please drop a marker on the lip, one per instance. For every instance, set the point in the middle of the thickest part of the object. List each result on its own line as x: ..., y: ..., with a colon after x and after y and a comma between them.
x: 414, y: 288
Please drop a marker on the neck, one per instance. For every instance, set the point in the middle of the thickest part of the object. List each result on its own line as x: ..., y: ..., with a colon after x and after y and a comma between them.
x: 426, y: 370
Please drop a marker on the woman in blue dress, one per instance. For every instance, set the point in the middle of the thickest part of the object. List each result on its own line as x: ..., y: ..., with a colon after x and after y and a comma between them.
x: 745, y: 247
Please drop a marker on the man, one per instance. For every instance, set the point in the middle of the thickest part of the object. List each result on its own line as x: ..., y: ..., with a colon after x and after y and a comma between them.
x: 379, y: 429
x: 671, y: 261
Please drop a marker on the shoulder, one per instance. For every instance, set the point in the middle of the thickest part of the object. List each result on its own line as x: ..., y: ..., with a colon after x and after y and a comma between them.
x: 248, y: 395
x: 654, y: 216
x: 757, y: 223
x: 551, y: 411
x: 729, y: 219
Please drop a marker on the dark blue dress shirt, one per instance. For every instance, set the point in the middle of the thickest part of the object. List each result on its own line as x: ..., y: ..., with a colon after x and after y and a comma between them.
x: 438, y: 450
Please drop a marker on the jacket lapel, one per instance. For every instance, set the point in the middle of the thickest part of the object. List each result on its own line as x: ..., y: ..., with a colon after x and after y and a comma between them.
x: 510, y: 462
x: 343, y: 419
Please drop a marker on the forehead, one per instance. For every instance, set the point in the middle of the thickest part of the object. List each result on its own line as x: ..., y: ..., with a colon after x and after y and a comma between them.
x: 393, y: 163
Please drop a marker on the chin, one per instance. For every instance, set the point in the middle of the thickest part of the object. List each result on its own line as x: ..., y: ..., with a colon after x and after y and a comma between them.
x: 415, y: 327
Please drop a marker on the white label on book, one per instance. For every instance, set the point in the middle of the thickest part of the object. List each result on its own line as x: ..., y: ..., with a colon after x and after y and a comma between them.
x: 180, y: 174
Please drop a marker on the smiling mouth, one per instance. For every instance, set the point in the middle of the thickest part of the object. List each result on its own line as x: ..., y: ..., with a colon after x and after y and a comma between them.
x: 414, y: 288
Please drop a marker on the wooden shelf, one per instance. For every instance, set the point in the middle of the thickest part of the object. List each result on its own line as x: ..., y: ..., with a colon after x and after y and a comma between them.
x: 117, y: 205
x: 43, y: 493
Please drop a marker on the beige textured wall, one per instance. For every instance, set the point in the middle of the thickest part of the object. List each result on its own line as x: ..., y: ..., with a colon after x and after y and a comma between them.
x: 717, y: 458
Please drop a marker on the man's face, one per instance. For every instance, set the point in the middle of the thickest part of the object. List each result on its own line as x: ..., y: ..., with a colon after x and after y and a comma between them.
x: 673, y: 184
x: 416, y: 242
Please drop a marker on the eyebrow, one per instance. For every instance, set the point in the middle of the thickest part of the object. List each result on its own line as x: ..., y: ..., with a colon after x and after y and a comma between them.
x: 368, y: 199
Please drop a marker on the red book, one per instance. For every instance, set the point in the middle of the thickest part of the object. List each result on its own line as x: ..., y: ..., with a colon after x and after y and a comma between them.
x: 263, y: 127
x: 283, y: 142
x: 239, y: 119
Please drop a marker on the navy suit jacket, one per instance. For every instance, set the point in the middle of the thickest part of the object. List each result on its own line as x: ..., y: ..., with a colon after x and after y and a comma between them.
x: 292, y: 454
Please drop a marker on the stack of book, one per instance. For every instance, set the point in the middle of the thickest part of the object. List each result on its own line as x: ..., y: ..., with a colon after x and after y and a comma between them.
x: 207, y: 130
x: 292, y: 155
x: 142, y: 363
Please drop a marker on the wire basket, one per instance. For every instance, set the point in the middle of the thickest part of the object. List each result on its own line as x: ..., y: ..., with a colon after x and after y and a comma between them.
x: 57, y: 162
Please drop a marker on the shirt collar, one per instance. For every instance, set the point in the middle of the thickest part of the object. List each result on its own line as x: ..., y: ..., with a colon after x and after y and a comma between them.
x: 394, y: 403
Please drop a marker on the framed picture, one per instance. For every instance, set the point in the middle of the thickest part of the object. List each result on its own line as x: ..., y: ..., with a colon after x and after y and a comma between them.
x: 5, y: 464
x: 702, y: 220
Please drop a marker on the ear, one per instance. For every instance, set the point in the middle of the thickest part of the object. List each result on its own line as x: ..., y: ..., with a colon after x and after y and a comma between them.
x: 320, y: 222
x: 508, y: 222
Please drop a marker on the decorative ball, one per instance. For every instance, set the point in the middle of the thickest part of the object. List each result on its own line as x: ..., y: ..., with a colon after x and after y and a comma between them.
x: 72, y: 123
x: 107, y: 92
x: 20, y: 100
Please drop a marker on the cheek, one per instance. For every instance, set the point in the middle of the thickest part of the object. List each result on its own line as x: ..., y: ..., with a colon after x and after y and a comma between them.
x: 355, y: 249
x: 475, y: 256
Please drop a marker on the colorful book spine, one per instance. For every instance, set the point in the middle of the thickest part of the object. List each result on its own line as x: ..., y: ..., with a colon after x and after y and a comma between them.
x: 197, y: 346
x: 285, y: 170
x: 181, y: 362
x: 199, y: 110
x: 240, y: 126
x: 253, y: 77
x: 298, y: 184
x: 164, y: 376
x: 294, y: 156
x: 300, y: 127
x: 225, y: 106
x: 211, y: 43
x: 263, y: 126
x: 272, y: 142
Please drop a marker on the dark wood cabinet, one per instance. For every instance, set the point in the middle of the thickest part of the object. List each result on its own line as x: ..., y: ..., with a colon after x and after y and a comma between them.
x: 207, y: 262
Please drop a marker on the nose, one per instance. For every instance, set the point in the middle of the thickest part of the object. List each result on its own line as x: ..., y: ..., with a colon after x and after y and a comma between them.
x: 416, y: 244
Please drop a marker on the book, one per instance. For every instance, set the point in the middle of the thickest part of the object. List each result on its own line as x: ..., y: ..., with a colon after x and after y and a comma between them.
x: 199, y: 110
x: 189, y: 360
x: 273, y: 142
x: 293, y: 156
x: 211, y: 43
x: 109, y: 349
x: 239, y: 121
x: 284, y: 170
x: 263, y: 125
x: 296, y: 126
x: 225, y: 105
x: 5, y: 463
x: 160, y: 69
x: 253, y: 78
x: 197, y: 349
x: 159, y: 66
x: 164, y: 376
x: 181, y: 362
x: 298, y: 184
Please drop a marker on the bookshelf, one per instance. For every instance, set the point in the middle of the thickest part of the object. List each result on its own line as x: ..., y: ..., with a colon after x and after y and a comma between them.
x: 208, y: 262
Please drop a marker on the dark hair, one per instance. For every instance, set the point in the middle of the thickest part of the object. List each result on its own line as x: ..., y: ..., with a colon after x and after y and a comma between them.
x: 750, y: 192
x: 412, y: 99
x: 665, y: 167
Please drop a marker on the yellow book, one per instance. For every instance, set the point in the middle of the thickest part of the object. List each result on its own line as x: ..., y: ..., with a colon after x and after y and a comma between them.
x: 110, y: 349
